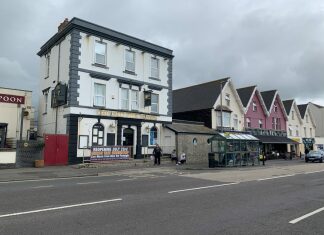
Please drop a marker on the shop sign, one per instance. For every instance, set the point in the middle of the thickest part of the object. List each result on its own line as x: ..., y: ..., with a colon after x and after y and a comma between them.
x: 308, y: 140
x: 296, y: 139
x: 13, y: 99
x: 109, y: 153
x: 127, y: 115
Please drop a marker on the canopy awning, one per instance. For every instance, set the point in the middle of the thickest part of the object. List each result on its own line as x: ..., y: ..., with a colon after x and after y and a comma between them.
x: 237, y: 136
x: 275, y: 139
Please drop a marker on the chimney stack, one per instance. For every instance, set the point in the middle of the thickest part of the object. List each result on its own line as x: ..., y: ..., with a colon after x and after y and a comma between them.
x: 63, y: 25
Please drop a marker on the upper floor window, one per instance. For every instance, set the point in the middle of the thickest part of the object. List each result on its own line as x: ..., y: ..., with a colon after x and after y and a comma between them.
x: 235, y: 122
x: 305, y: 134
x: 45, y: 100
x: 248, y: 122
x: 48, y: 60
x: 275, y: 108
x: 306, y: 118
x: 290, y: 131
x: 134, y: 96
x: 310, y: 132
x: 292, y: 115
x: 100, y: 53
x: 99, y: 98
x: 255, y: 107
x: 274, y: 123
x: 297, y: 131
x: 124, y: 99
x: 130, y: 61
x: 227, y: 99
x: 260, y: 124
x: 155, y: 103
x: 155, y: 64
x: 278, y: 124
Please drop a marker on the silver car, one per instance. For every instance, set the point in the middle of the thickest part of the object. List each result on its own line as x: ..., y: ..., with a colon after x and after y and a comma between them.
x: 315, y: 155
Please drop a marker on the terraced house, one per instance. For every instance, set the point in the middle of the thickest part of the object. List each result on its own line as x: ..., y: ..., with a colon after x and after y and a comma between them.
x: 103, y: 87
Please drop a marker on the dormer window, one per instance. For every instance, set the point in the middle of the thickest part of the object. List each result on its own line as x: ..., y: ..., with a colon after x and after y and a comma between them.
x: 292, y: 115
x: 227, y: 99
x: 255, y: 107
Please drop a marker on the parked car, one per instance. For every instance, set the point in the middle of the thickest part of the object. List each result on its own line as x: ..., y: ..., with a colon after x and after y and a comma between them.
x: 314, y: 155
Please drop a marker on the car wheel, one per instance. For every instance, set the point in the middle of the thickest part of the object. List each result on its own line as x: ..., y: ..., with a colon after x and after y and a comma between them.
x: 306, y: 160
x: 321, y: 160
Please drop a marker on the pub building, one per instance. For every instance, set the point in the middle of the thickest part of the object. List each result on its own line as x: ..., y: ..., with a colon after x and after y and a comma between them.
x: 16, y: 116
x: 104, y: 88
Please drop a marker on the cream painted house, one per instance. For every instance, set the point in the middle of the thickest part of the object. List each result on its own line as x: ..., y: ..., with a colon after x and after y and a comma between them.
x: 308, y: 128
x: 294, y: 126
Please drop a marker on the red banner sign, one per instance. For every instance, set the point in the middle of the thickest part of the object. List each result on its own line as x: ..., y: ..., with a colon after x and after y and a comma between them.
x: 14, y: 99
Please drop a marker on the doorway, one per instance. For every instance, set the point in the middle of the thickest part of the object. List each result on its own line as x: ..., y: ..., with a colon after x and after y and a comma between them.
x: 128, y: 137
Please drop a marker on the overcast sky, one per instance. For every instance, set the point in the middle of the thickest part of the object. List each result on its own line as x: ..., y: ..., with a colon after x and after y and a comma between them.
x: 273, y: 44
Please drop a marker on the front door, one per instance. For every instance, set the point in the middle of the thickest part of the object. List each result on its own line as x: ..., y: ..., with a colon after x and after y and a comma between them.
x: 128, y: 138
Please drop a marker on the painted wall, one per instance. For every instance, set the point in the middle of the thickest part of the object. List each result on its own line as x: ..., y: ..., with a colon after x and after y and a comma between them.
x: 318, y: 115
x: 308, y: 125
x: 58, y: 70
x: 257, y: 115
x: 294, y: 125
x: 278, y: 114
x: 11, y: 113
x: 234, y: 106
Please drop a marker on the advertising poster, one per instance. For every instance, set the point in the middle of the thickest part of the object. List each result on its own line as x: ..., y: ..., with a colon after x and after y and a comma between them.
x: 109, y: 153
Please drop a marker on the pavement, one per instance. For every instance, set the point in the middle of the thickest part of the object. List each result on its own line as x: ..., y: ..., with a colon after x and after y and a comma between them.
x: 273, y: 168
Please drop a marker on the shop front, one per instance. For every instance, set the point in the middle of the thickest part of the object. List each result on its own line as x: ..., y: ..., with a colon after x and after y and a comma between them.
x: 233, y: 149
x: 308, y: 144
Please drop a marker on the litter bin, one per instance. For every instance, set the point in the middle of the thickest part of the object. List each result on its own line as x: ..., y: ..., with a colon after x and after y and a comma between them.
x: 211, y: 160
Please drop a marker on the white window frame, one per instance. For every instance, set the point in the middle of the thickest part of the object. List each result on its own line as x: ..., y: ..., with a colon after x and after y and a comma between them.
x: 306, y: 118
x: 255, y: 107
x: 46, y: 101
x: 297, y: 131
x: 132, y: 62
x: 305, y: 130
x: 99, y: 95
x: 121, y: 98
x: 260, y: 124
x: 157, y: 104
x: 134, y: 101
x: 292, y: 115
x: 226, y: 119
x: 235, y: 121
x: 95, y: 53
x: 248, y: 122
x: 157, y: 69
x: 310, y: 132
x: 290, y: 130
x: 275, y: 108
x: 228, y: 99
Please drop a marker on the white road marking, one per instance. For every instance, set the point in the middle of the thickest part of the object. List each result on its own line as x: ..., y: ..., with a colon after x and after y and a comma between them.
x: 95, y: 182
x: 50, y: 179
x: 211, y: 186
x: 305, y: 216
x: 128, y: 179
x: 312, y: 172
x: 59, y: 208
x: 43, y: 186
x: 276, y: 177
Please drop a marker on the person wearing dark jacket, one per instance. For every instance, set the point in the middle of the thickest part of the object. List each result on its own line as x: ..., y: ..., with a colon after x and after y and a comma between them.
x: 157, y: 152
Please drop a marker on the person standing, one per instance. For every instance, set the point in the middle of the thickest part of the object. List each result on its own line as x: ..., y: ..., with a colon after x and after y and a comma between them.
x: 157, y: 152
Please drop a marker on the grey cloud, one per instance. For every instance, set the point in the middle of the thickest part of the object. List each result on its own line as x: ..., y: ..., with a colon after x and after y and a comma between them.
x: 273, y: 44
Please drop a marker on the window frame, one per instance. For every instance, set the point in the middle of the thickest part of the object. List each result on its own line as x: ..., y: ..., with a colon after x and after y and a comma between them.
x: 96, y: 95
x: 157, y: 104
x: 248, y: 122
x: 260, y: 124
x: 133, y: 100
x: 157, y: 69
x: 100, y: 128
x: 46, y: 101
x: 48, y: 61
x: 153, y: 139
x: 254, y: 106
x: 228, y: 99
x: 95, y: 53
x: 121, y: 98
x: 292, y: 115
x: 134, y: 60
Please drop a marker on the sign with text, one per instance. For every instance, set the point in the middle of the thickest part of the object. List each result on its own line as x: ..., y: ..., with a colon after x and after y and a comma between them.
x: 127, y: 115
x: 13, y: 99
x: 108, y: 153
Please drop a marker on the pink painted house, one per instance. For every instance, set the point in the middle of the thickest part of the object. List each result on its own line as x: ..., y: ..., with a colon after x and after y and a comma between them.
x: 266, y: 118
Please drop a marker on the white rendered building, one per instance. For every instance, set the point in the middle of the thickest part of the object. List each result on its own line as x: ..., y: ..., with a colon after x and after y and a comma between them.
x: 104, y: 88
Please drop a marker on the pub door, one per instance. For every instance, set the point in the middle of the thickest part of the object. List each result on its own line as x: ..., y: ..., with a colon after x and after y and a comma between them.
x: 128, y: 139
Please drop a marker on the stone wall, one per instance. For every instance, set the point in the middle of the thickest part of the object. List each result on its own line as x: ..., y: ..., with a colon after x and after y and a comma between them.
x: 196, y: 153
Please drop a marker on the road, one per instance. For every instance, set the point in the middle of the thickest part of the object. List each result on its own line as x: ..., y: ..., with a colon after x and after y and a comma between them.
x: 163, y: 204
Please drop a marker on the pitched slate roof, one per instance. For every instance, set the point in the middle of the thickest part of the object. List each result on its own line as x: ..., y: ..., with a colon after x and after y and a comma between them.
x: 268, y: 97
x: 180, y: 126
x: 288, y: 105
x: 302, y: 109
x: 245, y: 94
x: 198, y: 97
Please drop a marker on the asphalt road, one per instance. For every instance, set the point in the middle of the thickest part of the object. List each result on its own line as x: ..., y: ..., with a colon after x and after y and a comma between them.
x: 163, y: 204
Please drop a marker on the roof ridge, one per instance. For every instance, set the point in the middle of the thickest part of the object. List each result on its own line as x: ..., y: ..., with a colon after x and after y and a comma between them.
x: 200, y: 84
